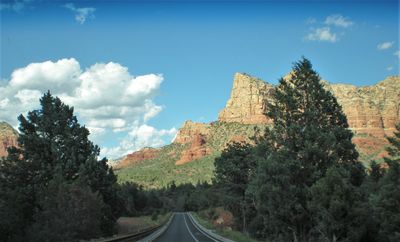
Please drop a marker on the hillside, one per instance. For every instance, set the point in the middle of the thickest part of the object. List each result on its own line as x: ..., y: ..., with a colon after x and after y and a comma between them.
x: 372, y: 112
x: 8, y: 137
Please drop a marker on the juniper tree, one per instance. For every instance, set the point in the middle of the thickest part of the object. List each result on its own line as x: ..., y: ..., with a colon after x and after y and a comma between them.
x: 233, y: 171
x: 51, y: 142
x: 386, y: 201
x: 310, y: 135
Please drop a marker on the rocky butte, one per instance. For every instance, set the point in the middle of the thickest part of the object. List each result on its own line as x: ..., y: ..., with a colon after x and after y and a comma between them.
x: 8, y: 138
x: 372, y: 113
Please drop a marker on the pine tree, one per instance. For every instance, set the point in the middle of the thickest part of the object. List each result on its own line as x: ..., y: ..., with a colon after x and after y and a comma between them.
x: 310, y: 135
x: 52, y: 142
x: 386, y: 202
x: 233, y: 171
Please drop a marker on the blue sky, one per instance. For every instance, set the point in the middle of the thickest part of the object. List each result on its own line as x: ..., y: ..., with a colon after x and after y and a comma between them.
x: 185, y: 53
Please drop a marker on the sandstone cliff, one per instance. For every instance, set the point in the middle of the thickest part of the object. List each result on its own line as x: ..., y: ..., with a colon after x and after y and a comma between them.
x: 135, y: 157
x: 372, y: 113
x: 189, y: 130
x: 372, y: 110
x: 8, y: 137
x: 248, y: 101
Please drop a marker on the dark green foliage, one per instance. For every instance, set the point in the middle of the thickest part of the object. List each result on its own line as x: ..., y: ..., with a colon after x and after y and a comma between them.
x: 70, y: 212
x: 337, y: 208
x: 386, y: 202
x: 310, y: 136
x: 52, y: 142
x: 233, y: 171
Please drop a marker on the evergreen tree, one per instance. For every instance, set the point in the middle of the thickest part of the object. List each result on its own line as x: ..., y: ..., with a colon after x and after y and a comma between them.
x: 233, y: 171
x: 310, y: 135
x: 70, y: 212
x: 338, y: 208
x: 386, y: 202
x: 52, y: 142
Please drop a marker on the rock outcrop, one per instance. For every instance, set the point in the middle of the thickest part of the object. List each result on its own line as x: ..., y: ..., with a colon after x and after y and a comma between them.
x: 248, y: 101
x: 135, y: 157
x: 198, y: 148
x: 372, y: 110
x: 8, y: 138
x: 190, y: 130
x: 372, y: 113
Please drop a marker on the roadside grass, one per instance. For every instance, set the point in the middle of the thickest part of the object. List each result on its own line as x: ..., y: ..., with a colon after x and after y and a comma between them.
x: 227, y: 233
x: 128, y: 225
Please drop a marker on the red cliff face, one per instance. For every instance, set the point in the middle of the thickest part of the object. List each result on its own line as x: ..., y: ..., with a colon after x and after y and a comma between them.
x: 197, y: 149
x: 372, y: 113
x: 135, y: 157
x: 371, y: 110
x: 8, y: 138
x: 248, y: 101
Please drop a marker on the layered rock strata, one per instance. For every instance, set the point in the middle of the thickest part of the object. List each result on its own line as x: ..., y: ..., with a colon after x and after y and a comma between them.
x: 8, y: 138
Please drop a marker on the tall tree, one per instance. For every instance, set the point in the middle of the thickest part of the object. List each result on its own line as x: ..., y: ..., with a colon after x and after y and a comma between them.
x: 386, y: 202
x: 309, y: 136
x: 52, y: 142
x: 233, y: 171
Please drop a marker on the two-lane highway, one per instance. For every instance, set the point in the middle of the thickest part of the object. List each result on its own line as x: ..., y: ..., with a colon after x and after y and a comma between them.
x: 182, y: 229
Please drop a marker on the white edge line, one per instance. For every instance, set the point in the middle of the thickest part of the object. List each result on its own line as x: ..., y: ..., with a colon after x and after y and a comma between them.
x: 159, y: 232
x: 199, y: 229
x: 184, y: 218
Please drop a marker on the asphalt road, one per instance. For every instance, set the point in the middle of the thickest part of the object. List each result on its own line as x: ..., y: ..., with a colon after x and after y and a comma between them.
x: 181, y: 229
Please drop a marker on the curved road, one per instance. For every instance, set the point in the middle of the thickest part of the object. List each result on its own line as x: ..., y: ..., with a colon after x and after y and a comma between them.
x: 182, y: 229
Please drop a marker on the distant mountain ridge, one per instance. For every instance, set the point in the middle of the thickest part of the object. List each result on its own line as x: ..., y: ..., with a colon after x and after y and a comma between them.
x: 372, y: 113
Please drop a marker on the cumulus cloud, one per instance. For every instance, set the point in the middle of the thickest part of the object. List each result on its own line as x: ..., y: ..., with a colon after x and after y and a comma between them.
x: 389, y: 68
x: 81, y: 14
x: 338, y: 20
x: 139, y: 137
x: 385, y: 45
x: 16, y: 5
x: 106, y: 97
x: 322, y: 34
x: 326, y: 29
x: 397, y: 53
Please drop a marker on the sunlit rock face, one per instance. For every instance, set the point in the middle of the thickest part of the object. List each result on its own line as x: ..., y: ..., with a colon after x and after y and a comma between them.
x: 8, y: 138
x: 248, y: 101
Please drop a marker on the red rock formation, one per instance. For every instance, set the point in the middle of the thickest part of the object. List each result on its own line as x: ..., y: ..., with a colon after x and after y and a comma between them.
x: 8, y: 138
x: 135, y: 157
x: 248, y: 101
x: 372, y: 110
x: 197, y: 149
x: 187, y: 133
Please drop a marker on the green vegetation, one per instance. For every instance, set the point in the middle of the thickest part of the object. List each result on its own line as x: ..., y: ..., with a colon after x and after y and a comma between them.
x: 222, y: 133
x: 53, y: 188
x: 306, y: 183
x: 148, y: 173
x: 225, y: 232
x: 162, y: 171
x: 136, y: 224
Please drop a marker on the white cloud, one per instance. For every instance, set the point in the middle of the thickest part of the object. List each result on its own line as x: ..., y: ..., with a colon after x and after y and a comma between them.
x: 81, y: 14
x: 338, y: 20
x: 385, y: 45
x: 140, y: 137
x: 322, y: 34
x: 59, y: 77
x: 397, y: 53
x: 389, y: 68
x: 16, y: 5
x: 106, y: 97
